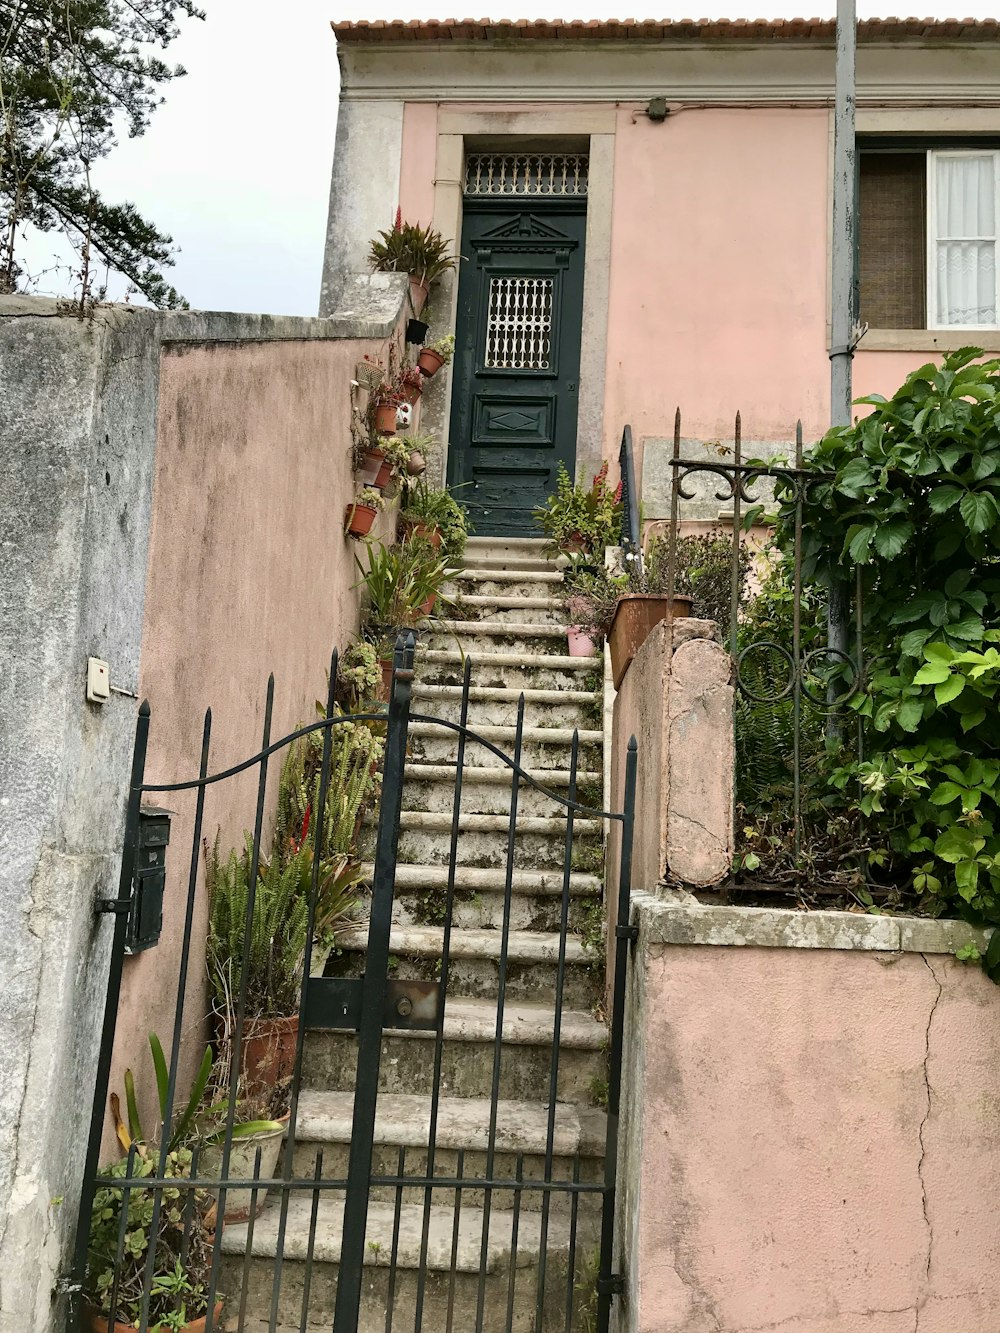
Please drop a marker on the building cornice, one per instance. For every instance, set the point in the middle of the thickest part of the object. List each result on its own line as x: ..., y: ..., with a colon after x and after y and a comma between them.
x: 777, y: 74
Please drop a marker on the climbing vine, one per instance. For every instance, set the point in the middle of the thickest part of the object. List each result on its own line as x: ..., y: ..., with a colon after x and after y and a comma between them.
x: 910, y: 495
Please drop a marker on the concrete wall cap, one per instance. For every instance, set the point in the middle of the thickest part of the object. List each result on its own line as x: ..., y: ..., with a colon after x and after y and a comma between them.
x: 370, y: 306
x: 678, y: 918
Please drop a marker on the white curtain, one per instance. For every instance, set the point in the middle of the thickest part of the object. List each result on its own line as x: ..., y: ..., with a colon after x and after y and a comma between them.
x: 965, y: 192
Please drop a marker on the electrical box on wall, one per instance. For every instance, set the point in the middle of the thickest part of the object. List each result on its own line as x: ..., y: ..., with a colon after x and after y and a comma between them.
x: 145, y: 921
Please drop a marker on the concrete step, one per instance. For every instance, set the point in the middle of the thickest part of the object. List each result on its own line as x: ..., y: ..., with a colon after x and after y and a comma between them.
x: 474, y: 966
x: 554, y: 825
x: 503, y: 547
x: 326, y: 1121
x: 505, y: 583
x: 539, y: 842
x: 531, y: 609
x: 431, y: 787
x: 505, y: 670
x: 330, y: 1058
x: 403, y: 1120
x: 509, y: 602
x: 451, y: 1293
x: 478, y: 636
x: 498, y: 707
x: 541, y: 747
x: 536, y: 896
x: 543, y: 883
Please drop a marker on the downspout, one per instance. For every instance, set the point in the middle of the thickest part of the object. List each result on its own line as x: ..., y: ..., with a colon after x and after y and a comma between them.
x: 844, y: 331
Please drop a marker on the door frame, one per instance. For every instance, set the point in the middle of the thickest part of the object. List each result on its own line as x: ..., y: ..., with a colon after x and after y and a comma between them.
x: 561, y: 263
x: 590, y: 129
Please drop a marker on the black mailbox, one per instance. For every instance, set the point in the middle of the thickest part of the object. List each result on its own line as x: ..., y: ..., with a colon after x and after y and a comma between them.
x: 146, y: 918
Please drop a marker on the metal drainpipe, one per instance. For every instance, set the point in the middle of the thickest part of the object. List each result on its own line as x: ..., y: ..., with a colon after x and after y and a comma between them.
x: 844, y: 234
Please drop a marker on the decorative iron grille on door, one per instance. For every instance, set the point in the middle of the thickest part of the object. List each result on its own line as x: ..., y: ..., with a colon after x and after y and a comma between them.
x: 463, y: 1270
x: 526, y: 175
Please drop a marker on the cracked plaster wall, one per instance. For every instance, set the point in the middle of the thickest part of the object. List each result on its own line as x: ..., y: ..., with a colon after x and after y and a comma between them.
x: 248, y: 482
x: 77, y: 430
x: 811, y: 1145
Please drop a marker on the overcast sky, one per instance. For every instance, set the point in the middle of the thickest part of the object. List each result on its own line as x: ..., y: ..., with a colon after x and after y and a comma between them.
x: 237, y: 163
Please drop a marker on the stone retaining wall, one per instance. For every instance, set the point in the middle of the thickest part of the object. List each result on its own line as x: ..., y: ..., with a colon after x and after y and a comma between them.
x: 810, y: 1131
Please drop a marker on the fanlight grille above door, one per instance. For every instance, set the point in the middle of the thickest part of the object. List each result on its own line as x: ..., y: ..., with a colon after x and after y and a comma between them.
x: 526, y: 175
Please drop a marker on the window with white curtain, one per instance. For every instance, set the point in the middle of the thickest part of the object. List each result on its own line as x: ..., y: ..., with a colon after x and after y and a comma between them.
x: 928, y: 236
x: 963, y: 202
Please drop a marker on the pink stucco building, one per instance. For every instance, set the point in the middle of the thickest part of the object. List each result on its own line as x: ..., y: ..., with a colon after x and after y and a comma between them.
x: 687, y: 167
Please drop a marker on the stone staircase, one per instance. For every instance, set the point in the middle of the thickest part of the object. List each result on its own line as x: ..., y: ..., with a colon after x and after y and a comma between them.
x: 510, y: 620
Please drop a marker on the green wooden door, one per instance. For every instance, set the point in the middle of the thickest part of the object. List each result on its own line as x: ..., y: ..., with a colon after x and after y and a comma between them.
x: 517, y: 361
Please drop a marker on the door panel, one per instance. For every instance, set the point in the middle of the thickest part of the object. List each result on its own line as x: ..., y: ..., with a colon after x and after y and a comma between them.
x: 517, y: 361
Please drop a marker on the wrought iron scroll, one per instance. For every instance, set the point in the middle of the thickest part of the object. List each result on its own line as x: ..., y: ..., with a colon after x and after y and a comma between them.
x: 803, y: 675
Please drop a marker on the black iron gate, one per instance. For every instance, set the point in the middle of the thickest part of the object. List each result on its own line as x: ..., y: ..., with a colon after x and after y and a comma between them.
x: 157, y: 1194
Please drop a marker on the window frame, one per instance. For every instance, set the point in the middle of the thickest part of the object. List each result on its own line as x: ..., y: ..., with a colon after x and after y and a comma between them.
x: 933, y: 238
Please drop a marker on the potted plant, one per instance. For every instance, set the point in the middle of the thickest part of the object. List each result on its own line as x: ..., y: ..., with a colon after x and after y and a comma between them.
x: 203, y: 1123
x: 411, y: 383
x: 375, y: 470
x: 182, y: 1259
x: 435, y: 355
x: 643, y: 603
x: 360, y: 515
x: 420, y: 252
x: 383, y: 404
x: 592, y: 598
x: 581, y: 519
x: 359, y: 678
x: 272, y: 982
x: 436, y: 516
x: 401, y: 584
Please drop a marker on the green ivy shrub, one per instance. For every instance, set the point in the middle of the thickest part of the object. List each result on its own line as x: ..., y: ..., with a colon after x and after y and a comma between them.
x: 911, y: 495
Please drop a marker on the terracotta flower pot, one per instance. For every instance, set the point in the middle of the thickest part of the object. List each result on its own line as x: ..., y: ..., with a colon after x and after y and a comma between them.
x: 371, y: 467
x: 580, y: 642
x: 411, y: 392
x: 427, y: 607
x: 269, y: 1051
x: 429, y: 362
x: 241, y: 1163
x: 416, y: 464
x: 636, y: 616
x: 432, y: 535
x: 99, y: 1323
x: 419, y: 289
x: 358, y: 519
x: 386, y: 668
x: 384, y: 475
x: 385, y: 418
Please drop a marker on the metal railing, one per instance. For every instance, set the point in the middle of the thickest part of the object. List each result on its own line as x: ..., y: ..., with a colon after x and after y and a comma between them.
x: 631, y: 536
x: 786, y: 677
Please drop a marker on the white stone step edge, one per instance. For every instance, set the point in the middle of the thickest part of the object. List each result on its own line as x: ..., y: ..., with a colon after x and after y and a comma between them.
x: 403, y: 1120
x: 512, y: 564
x: 537, y: 735
x: 509, y: 629
x: 379, y: 1231
x: 523, y: 946
x: 483, y: 574
x: 416, y: 771
x: 478, y: 879
x: 498, y: 694
x: 498, y: 602
x: 487, y: 661
x: 433, y: 821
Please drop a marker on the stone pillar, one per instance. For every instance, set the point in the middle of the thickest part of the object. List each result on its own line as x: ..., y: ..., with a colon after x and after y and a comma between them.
x: 677, y: 700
